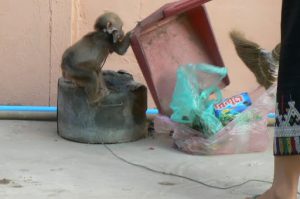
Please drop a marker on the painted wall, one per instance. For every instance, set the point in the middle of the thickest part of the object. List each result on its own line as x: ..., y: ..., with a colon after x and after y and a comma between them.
x: 24, y: 52
x: 31, y: 48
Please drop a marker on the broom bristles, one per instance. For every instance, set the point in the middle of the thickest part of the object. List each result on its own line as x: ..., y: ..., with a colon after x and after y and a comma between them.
x: 276, y: 52
x: 251, y: 54
x: 248, y: 51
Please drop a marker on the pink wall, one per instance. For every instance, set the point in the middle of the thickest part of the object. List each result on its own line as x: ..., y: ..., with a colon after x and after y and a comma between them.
x: 30, y: 50
x: 24, y: 52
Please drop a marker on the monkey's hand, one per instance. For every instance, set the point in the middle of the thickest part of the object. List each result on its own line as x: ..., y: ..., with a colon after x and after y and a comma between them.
x: 122, y: 46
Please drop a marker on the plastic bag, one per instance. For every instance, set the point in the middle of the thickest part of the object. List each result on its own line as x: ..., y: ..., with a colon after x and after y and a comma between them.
x: 191, y: 102
x: 248, y: 132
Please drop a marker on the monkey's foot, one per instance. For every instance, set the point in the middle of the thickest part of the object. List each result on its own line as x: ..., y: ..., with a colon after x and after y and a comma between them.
x: 104, y: 92
x: 96, y: 101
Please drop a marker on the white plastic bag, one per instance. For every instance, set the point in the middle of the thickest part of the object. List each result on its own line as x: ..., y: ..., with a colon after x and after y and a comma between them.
x: 247, y: 133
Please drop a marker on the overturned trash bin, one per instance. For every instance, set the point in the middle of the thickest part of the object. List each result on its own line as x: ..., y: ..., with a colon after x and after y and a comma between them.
x: 178, y: 34
x: 121, y: 116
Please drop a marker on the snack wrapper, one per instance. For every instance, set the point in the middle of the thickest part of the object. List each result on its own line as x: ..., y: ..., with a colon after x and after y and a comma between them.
x: 229, y: 108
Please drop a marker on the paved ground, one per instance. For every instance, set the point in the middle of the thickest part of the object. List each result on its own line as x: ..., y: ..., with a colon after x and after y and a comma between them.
x: 35, y: 163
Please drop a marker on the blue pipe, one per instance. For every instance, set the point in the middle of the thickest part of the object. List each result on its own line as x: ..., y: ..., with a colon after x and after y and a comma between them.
x: 50, y: 109
x: 152, y: 112
x: 271, y: 115
x: 54, y: 109
x: 29, y: 108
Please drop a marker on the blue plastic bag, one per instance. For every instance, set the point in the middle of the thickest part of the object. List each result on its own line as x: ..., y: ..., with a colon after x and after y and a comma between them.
x: 192, y: 103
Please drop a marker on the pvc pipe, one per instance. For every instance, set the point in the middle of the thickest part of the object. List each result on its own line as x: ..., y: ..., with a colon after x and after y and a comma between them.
x: 54, y: 109
x: 45, y: 113
x: 50, y: 109
x: 271, y: 115
x: 29, y: 108
x: 152, y: 112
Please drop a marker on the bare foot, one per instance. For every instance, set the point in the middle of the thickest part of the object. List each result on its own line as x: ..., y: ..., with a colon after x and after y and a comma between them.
x: 277, y: 191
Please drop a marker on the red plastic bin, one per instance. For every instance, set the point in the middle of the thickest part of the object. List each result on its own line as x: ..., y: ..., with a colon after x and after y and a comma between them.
x: 178, y: 33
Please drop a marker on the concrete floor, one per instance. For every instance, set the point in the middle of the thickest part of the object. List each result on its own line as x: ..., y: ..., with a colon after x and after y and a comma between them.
x: 37, y: 163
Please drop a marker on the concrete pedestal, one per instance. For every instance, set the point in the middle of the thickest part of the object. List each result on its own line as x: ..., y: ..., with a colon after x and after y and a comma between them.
x: 121, y: 117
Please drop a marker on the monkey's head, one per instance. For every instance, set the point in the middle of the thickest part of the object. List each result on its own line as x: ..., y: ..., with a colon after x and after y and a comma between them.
x: 111, y: 24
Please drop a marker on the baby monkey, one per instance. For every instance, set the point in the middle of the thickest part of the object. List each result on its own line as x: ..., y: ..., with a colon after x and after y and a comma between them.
x: 83, y: 61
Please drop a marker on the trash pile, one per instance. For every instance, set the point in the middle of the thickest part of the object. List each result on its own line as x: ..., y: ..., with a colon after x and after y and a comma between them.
x: 204, y: 123
x: 191, y: 102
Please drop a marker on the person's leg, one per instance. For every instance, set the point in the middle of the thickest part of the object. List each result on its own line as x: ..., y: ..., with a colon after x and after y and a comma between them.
x: 286, y: 176
x: 287, y: 129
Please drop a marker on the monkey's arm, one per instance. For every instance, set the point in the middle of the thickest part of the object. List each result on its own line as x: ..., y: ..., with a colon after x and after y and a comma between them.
x: 122, y: 46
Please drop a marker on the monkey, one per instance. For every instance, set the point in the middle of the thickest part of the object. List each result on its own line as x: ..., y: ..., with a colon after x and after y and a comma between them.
x: 82, y: 62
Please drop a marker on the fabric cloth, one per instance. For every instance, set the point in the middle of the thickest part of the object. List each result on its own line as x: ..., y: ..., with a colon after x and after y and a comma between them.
x: 287, y: 129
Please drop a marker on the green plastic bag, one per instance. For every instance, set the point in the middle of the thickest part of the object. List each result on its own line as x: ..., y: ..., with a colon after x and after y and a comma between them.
x: 192, y: 103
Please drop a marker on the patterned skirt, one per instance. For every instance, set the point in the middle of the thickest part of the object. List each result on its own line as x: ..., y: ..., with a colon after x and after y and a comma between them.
x: 287, y: 129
